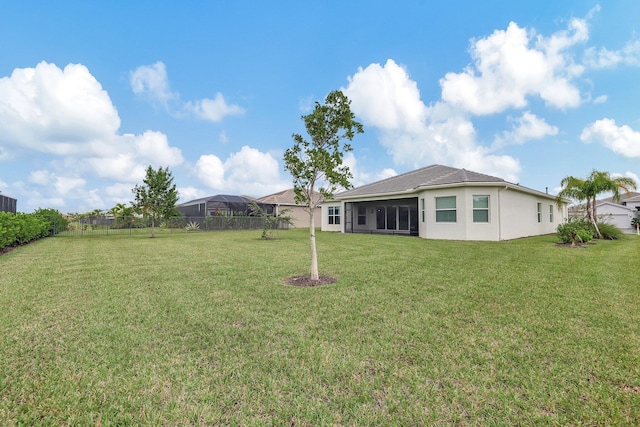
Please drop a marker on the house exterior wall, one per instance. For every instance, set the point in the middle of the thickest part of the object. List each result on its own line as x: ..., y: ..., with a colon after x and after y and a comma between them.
x: 300, y: 217
x: 511, y: 213
x: 519, y: 215
x: 324, y: 215
x: 464, y: 228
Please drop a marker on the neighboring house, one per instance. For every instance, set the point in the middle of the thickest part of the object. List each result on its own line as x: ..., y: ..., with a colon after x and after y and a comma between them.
x: 286, y: 200
x: 224, y: 205
x: 8, y: 204
x: 631, y: 200
x: 441, y: 202
x: 619, y: 213
x: 615, y: 214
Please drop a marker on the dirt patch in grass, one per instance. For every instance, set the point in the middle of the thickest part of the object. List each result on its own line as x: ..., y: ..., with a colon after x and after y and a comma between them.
x: 305, y: 281
x: 8, y: 249
x: 577, y: 245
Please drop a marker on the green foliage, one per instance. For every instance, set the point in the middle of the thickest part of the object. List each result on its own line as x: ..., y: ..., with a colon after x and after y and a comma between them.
x: 192, y: 226
x: 319, y: 162
x: 8, y: 229
x: 57, y: 222
x: 635, y: 222
x: 271, y: 222
x: 587, y: 190
x: 574, y: 231
x: 609, y: 231
x: 21, y: 228
x: 157, y: 198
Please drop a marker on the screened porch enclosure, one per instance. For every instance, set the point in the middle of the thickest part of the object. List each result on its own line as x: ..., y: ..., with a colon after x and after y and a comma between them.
x: 394, y: 216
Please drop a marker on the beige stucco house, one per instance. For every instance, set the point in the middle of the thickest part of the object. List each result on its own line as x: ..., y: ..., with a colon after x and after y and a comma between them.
x: 286, y: 200
x: 441, y: 202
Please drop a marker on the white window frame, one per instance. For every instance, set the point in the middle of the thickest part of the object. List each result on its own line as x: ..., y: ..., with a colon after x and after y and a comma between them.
x: 334, y: 215
x: 483, y: 209
x: 447, y: 209
x: 539, y: 212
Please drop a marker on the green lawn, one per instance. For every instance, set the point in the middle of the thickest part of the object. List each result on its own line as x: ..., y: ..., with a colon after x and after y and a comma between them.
x: 198, y: 329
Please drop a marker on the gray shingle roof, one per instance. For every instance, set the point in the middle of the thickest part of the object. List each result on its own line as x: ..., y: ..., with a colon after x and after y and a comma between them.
x: 433, y: 175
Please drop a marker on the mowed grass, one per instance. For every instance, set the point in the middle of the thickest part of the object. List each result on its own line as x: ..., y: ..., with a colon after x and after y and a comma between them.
x: 199, y: 329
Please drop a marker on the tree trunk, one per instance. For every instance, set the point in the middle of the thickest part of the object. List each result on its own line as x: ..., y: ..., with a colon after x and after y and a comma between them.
x: 591, y: 206
x: 314, y: 253
x: 153, y: 227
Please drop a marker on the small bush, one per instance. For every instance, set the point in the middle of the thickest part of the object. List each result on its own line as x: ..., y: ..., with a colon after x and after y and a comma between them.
x: 192, y: 226
x: 609, y: 231
x: 576, y: 230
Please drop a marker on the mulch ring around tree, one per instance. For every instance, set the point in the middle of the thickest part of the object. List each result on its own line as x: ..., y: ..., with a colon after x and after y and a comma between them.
x: 305, y: 281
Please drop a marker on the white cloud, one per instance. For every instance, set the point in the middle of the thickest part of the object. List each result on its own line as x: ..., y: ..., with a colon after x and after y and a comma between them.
x: 600, y: 99
x: 66, y: 114
x: 120, y: 193
x: 53, y: 110
x: 210, y: 171
x: 63, y: 185
x: 248, y: 171
x: 386, y: 97
x: 513, y: 64
x: 152, y: 81
x: 153, y: 147
x: 604, y: 58
x: 620, y: 139
x: 189, y: 193
x: 213, y: 110
x: 417, y: 135
x: 361, y: 177
x: 525, y: 128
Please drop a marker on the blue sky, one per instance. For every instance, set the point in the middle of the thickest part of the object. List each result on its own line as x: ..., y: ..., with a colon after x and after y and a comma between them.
x: 91, y: 93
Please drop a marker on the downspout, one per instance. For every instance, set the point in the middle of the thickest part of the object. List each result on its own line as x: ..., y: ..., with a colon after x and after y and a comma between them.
x: 500, y: 212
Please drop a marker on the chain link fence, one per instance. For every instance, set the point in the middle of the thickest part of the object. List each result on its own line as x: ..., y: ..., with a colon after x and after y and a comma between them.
x: 101, y: 225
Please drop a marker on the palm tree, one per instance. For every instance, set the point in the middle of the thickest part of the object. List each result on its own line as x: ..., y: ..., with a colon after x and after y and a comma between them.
x: 587, y: 190
x: 603, y: 183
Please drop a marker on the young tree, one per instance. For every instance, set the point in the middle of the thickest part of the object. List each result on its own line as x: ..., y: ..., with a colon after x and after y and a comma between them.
x: 157, y: 197
x: 589, y: 189
x: 318, y: 163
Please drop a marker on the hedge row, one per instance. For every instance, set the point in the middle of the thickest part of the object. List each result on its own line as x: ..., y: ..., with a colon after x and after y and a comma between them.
x: 21, y: 228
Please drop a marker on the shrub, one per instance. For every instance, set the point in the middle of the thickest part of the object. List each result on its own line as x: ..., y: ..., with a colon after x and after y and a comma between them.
x: 57, y: 222
x: 609, y: 231
x: 576, y: 230
x: 192, y: 226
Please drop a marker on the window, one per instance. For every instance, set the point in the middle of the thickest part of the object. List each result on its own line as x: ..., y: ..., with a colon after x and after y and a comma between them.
x: 422, y: 208
x: 362, y: 215
x: 334, y: 215
x: 550, y: 213
x: 446, y: 209
x: 480, y: 208
x: 539, y: 212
